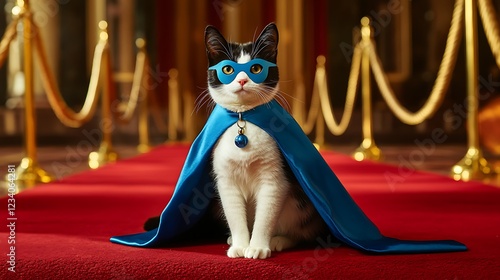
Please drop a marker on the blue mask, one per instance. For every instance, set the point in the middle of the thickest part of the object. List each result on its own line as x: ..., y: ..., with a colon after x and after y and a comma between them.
x: 256, y: 69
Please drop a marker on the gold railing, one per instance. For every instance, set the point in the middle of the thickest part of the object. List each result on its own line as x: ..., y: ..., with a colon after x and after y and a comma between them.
x: 365, y: 61
x: 473, y: 165
x: 101, y: 79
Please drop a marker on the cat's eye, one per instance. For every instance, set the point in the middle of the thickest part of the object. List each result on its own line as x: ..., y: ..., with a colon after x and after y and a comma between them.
x: 228, y: 70
x: 256, y: 68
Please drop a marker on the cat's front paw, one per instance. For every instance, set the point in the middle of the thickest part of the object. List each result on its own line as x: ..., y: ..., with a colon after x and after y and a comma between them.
x: 236, y: 252
x: 257, y: 253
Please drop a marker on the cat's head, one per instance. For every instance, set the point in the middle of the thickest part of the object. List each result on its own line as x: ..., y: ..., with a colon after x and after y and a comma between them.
x: 242, y: 76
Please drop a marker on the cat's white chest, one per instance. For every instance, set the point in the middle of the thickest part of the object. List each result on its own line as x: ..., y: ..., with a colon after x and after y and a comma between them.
x: 245, y: 165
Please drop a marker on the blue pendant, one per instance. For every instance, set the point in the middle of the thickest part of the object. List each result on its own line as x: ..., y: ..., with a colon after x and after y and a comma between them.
x: 241, y: 140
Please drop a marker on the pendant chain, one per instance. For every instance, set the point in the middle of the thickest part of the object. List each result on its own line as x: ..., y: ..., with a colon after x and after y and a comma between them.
x: 241, y: 139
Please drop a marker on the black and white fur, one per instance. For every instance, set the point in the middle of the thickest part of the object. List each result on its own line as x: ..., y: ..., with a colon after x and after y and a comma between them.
x: 262, y: 203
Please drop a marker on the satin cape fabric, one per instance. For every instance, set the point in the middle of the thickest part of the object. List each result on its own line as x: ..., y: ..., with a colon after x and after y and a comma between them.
x: 346, y: 221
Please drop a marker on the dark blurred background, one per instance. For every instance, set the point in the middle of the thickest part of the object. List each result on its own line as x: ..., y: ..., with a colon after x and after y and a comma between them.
x: 410, y: 37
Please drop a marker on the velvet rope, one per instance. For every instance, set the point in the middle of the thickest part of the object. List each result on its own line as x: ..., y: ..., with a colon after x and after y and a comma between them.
x: 9, y: 35
x: 65, y: 114
x: 321, y: 98
x: 491, y: 28
x: 442, y: 81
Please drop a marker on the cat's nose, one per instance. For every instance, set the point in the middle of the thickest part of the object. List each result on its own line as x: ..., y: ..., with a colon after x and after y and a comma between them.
x: 242, y: 82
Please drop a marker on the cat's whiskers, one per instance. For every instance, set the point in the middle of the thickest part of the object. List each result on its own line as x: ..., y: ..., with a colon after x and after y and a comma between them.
x: 262, y: 95
x: 265, y: 93
x: 225, y: 49
x: 231, y: 51
x: 203, y: 99
x: 260, y: 47
x: 280, y: 96
x: 291, y: 96
x: 203, y: 95
x: 253, y: 40
x: 283, y: 102
x: 257, y: 49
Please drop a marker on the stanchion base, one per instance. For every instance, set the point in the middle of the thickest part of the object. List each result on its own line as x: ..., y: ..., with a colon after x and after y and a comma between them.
x: 367, y: 150
x: 104, y: 155
x: 143, y: 148
x: 472, y: 166
x: 28, y: 174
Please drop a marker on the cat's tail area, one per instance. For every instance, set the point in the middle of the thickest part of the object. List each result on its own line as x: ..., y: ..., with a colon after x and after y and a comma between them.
x: 152, y: 223
x: 208, y: 229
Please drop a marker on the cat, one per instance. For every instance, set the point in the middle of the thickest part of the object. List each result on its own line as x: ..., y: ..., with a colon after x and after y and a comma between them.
x: 258, y: 197
x: 262, y: 203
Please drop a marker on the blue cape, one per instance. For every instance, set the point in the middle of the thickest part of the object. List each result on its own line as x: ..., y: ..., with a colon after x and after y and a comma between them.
x: 344, y: 218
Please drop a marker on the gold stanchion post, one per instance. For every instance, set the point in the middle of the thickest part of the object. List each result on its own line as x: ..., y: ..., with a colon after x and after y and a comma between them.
x: 144, y: 145
x: 28, y: 172
x: 368, y: 149
x: 473, y: 165
x: 319, y: 139
x: 105, y: 153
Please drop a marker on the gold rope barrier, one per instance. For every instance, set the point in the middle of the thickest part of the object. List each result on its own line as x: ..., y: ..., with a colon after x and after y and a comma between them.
x: 319, y: 139
x: 368, y: 149
x: 105, y: 153
x: 65, y: 114
x: 321, y: 98
x: 491, y: 29
x: 101, y: 74
x: 143, y: 124
x: 9, y: 35
x: 364, y: 54
x: 145, y: 103
x: 141, y: 98
x: 441, y: 84
x: 156, y: 113
x: 473, y: 165
x: 321, y: 111
x: 29, y: 172
x: 137, y: 88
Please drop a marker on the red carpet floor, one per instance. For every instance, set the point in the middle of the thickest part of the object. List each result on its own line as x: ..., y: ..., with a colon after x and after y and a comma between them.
x: 63, y: 228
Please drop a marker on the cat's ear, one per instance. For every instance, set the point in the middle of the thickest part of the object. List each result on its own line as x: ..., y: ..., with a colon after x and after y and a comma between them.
x: 216, y: 45
x: 266, y: 45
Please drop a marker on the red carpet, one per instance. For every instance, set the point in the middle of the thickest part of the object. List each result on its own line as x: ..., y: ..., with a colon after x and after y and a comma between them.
x: 63, y: 228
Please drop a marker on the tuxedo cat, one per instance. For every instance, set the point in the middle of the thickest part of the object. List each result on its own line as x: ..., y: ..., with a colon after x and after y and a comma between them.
x: 263, y: 205
x: 251, y: 146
